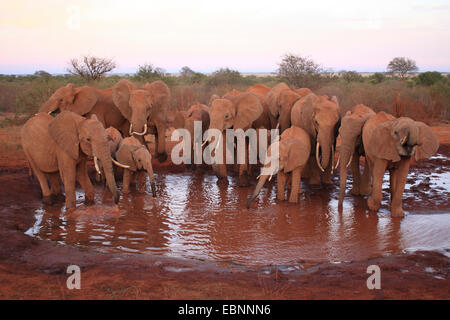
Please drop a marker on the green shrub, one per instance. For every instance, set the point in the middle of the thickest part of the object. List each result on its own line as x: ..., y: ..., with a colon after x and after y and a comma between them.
x: 430, y: 77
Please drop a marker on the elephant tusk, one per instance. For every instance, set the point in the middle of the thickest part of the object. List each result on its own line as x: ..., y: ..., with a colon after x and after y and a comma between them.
x: 117, y: 163
x: 337, y: 162
x: 349, y: 161
x: 139, y: 133
x: 49, y: 112
x: 278, y: 125
x: 332, y: 159
x: 97, y: 168
x: 317, y: 157
x: 131, y: 130
x: 403, y: 140
x: 270, y: 178
x: 218, y: 143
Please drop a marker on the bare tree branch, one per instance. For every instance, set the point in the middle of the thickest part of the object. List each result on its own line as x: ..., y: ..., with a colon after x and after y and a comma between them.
x: 90, y: 67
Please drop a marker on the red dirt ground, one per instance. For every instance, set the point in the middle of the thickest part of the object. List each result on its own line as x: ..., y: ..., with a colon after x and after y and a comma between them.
x: 36, y: 269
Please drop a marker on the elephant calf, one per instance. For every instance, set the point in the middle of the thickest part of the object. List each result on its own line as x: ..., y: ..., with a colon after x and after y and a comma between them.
x: 134, y: 158
x: 63, y: 144
x: 294, y: 150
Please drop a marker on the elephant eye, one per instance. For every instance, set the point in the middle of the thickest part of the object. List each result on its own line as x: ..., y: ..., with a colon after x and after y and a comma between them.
x: 227, y: 116
x: 88, y: 139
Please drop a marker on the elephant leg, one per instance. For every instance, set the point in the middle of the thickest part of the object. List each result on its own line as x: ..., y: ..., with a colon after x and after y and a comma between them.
x: 377, y: 179
x: 243, y: 168
x: 67, y: 170
x: 126, y: 181
x: 314, y: 178
x: 295, y: 189
x: 365, y: 185
x: 400, y: 175
x: 281, y: 183
x: 42, y: 178
x: 356, y: 175
x: 391, y: 182
x: 55, y: 187
x: 160, y: 142
x: 85, y: 182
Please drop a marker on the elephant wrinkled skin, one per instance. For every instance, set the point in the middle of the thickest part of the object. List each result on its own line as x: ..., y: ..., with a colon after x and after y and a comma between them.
x: 63, y: 144
x: 389, y: 143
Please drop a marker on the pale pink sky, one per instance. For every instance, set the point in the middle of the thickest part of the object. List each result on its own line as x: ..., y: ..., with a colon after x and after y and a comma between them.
x: 249, y: 36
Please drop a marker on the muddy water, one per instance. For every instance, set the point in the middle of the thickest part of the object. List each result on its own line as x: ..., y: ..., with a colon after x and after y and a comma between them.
x: 195, y: 217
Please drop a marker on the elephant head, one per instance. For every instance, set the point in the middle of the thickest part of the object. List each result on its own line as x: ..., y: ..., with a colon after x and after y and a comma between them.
x: 74, y: 134
x: 403, y: 137
x: 293, y: 151
x: 319, y: 116
x: 135, y: 156
x: 114, y: 139
x: 238, y: 112
x: 351, y: 136
x: 134, y: 103
x: 68, y: 98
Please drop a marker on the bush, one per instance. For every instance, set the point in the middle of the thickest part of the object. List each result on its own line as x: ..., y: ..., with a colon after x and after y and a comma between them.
x: 351, y: 76
x: 430, y: 77
x: 225, y: 76
x: 377, y: 77
x: 298, y: 71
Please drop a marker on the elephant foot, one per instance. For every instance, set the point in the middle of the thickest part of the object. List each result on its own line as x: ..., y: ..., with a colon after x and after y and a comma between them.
x: 364, y: 191
x: 125, y: 190
x: 47, y: 200
x: 397, y: 212
x: 58, y: 197
x: 89, y: 202
x: 354, y: 192
x: 243, y: 181
x: 293, y: 198
x: 161, y: 156
x: 314, y: 182
x: 222, y: 181
x: 372, y: 204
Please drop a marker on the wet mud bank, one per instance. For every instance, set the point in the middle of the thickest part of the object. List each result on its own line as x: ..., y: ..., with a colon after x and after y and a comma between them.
x: 193, y: 244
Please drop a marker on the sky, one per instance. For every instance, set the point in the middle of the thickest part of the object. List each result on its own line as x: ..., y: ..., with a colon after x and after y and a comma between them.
x: 248, y: 36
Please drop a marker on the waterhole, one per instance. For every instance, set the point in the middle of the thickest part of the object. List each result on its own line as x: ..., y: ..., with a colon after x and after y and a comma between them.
x: 195, y: 217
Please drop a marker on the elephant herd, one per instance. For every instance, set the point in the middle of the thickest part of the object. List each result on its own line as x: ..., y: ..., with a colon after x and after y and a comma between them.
x: 109, y: 126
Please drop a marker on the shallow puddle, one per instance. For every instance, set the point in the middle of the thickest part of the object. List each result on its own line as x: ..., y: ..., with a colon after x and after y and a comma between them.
x: 195, y: 217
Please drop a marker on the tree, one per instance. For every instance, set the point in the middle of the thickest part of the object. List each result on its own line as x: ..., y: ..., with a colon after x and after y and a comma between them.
x: 402, y: 66
x: 351, y: 76
x: 298, y: 71
x: 91, y: 67
x: 149, y: 72
x: 186, y: 72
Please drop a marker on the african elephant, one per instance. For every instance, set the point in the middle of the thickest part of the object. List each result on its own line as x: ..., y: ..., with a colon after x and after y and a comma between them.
x: 294, y: 149
x: 134, y: 157
x: 63, y: 144
x: 280, y: 100
x: 186, y: 120
x: 352, y: 149
x: 87, y: 101
x: 236, y: 112
x: 389, y: 143
x: 319, y: 117
x: 145, y: 108
x: 263, y: 121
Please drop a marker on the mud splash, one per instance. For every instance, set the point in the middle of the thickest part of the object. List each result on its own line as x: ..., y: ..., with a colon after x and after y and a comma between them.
x: 195, y: 217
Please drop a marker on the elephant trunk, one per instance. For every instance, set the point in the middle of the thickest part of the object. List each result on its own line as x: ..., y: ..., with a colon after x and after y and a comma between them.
x: 49, y: 106
x: 325, y: 140
x: 101, y: 151
x: 345, y: 155
x: 218, y: 169
x: 151, y: 177
x: 262, y: 180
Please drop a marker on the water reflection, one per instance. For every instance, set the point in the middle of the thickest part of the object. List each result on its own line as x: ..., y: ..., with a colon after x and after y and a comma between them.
x: 196, y: 217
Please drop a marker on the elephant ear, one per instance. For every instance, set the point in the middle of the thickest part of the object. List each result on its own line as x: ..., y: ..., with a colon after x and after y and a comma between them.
x: 125, y: 156
x: 248, y: 109
x: 383, y: 143
x: 121, y: 96
x: 85, y: 99
x: 297, y: 155
x: 428, y: 142
x: 64, y: 130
